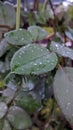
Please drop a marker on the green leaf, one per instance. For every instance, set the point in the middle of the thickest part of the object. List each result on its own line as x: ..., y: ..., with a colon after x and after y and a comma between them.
x: 33, y: 59
x: 19, y: 37
x: 4, y: 47
x: 28, y: 102
x: 7, y: 15
x: 9, y: 94
x: 69, y: 33
x: 37, y: 32
x: 61, y: 50
x: 3, y: 109
x: 18, y: 118
x: 63, y: 90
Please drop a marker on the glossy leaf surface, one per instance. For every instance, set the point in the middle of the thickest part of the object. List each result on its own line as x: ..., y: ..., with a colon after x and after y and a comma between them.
x: 33, y: 59
x: 19, y: 37
x: 27, y: 101
x: 3, y: 109
x: 37, y: 32
x: 61, y: 50
x: 7, y: 15
x: 63, y: 90
x: 18, y: 118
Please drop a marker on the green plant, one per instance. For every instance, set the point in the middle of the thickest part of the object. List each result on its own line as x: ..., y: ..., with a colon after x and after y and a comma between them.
x: 30, y: 71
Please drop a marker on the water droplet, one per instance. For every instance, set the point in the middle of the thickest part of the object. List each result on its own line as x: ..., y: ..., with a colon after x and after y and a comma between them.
x: 57, y: 45
x: 35, y: 63
x: 19, y: 56
x: 68, y: 104
x: 23, y: 52
x: 24, y: 47
x: 22, y: 39
x: 37, y: 69
x: 40, y: 63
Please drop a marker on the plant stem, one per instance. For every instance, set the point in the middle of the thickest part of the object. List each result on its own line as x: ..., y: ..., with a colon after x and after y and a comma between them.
x: 18, y: 14
x: 55, y: 18
x: 44, y: 5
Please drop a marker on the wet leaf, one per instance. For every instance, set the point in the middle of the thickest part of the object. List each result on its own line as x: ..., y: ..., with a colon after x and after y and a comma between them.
x: 37, y: 32
x: 4, y: 47
x: 9, y: 94
x: 19, y: 37
x: 69, y: 33
x: 63, y: 90
x: 61, y: 50
x: 18, y: 118
x: 28, y: 101
x: 7, y: 15
x: 33, y: 59
x: 3, y: 109
x: 12, y: 81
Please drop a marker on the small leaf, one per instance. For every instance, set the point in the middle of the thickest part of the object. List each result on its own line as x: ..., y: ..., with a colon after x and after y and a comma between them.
x: 7, y: 15
x: 3, y: 109
x: 18, y: 118
x: 61, y: 50
x: 19, y: 37
x: 37, y: 32
x: 9, y: 94
x: 63, y: 90
x: 28, y: 102
x: 69, y: 33
x: 33, y: 59
x: 3, y: 47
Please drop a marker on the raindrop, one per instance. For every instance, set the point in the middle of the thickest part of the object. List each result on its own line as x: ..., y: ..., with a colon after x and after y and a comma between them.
x: 37, y: 69
x: 35, y: 63
x: 19, y: 56
x: 20, y: 53
x: 24, y: 47
x: 41, y: 50
x: 23, y: 52
x: 57, y: 45
x: 68, y: 104
x: 22, y: 39
x: 40, y: 63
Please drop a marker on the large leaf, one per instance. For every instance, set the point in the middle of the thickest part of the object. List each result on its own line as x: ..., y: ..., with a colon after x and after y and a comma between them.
x: 33, y: 59
x: 27, y: 101
x: 18, y: 118
x: 19, y: 37
x: 63, y: 90
x: 61, y: 50
x: 3, y: 109
x: 37, y: 32
x: 7, y: 15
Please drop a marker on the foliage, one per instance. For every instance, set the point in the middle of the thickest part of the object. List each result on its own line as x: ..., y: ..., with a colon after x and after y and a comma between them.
x: 32, y: 76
